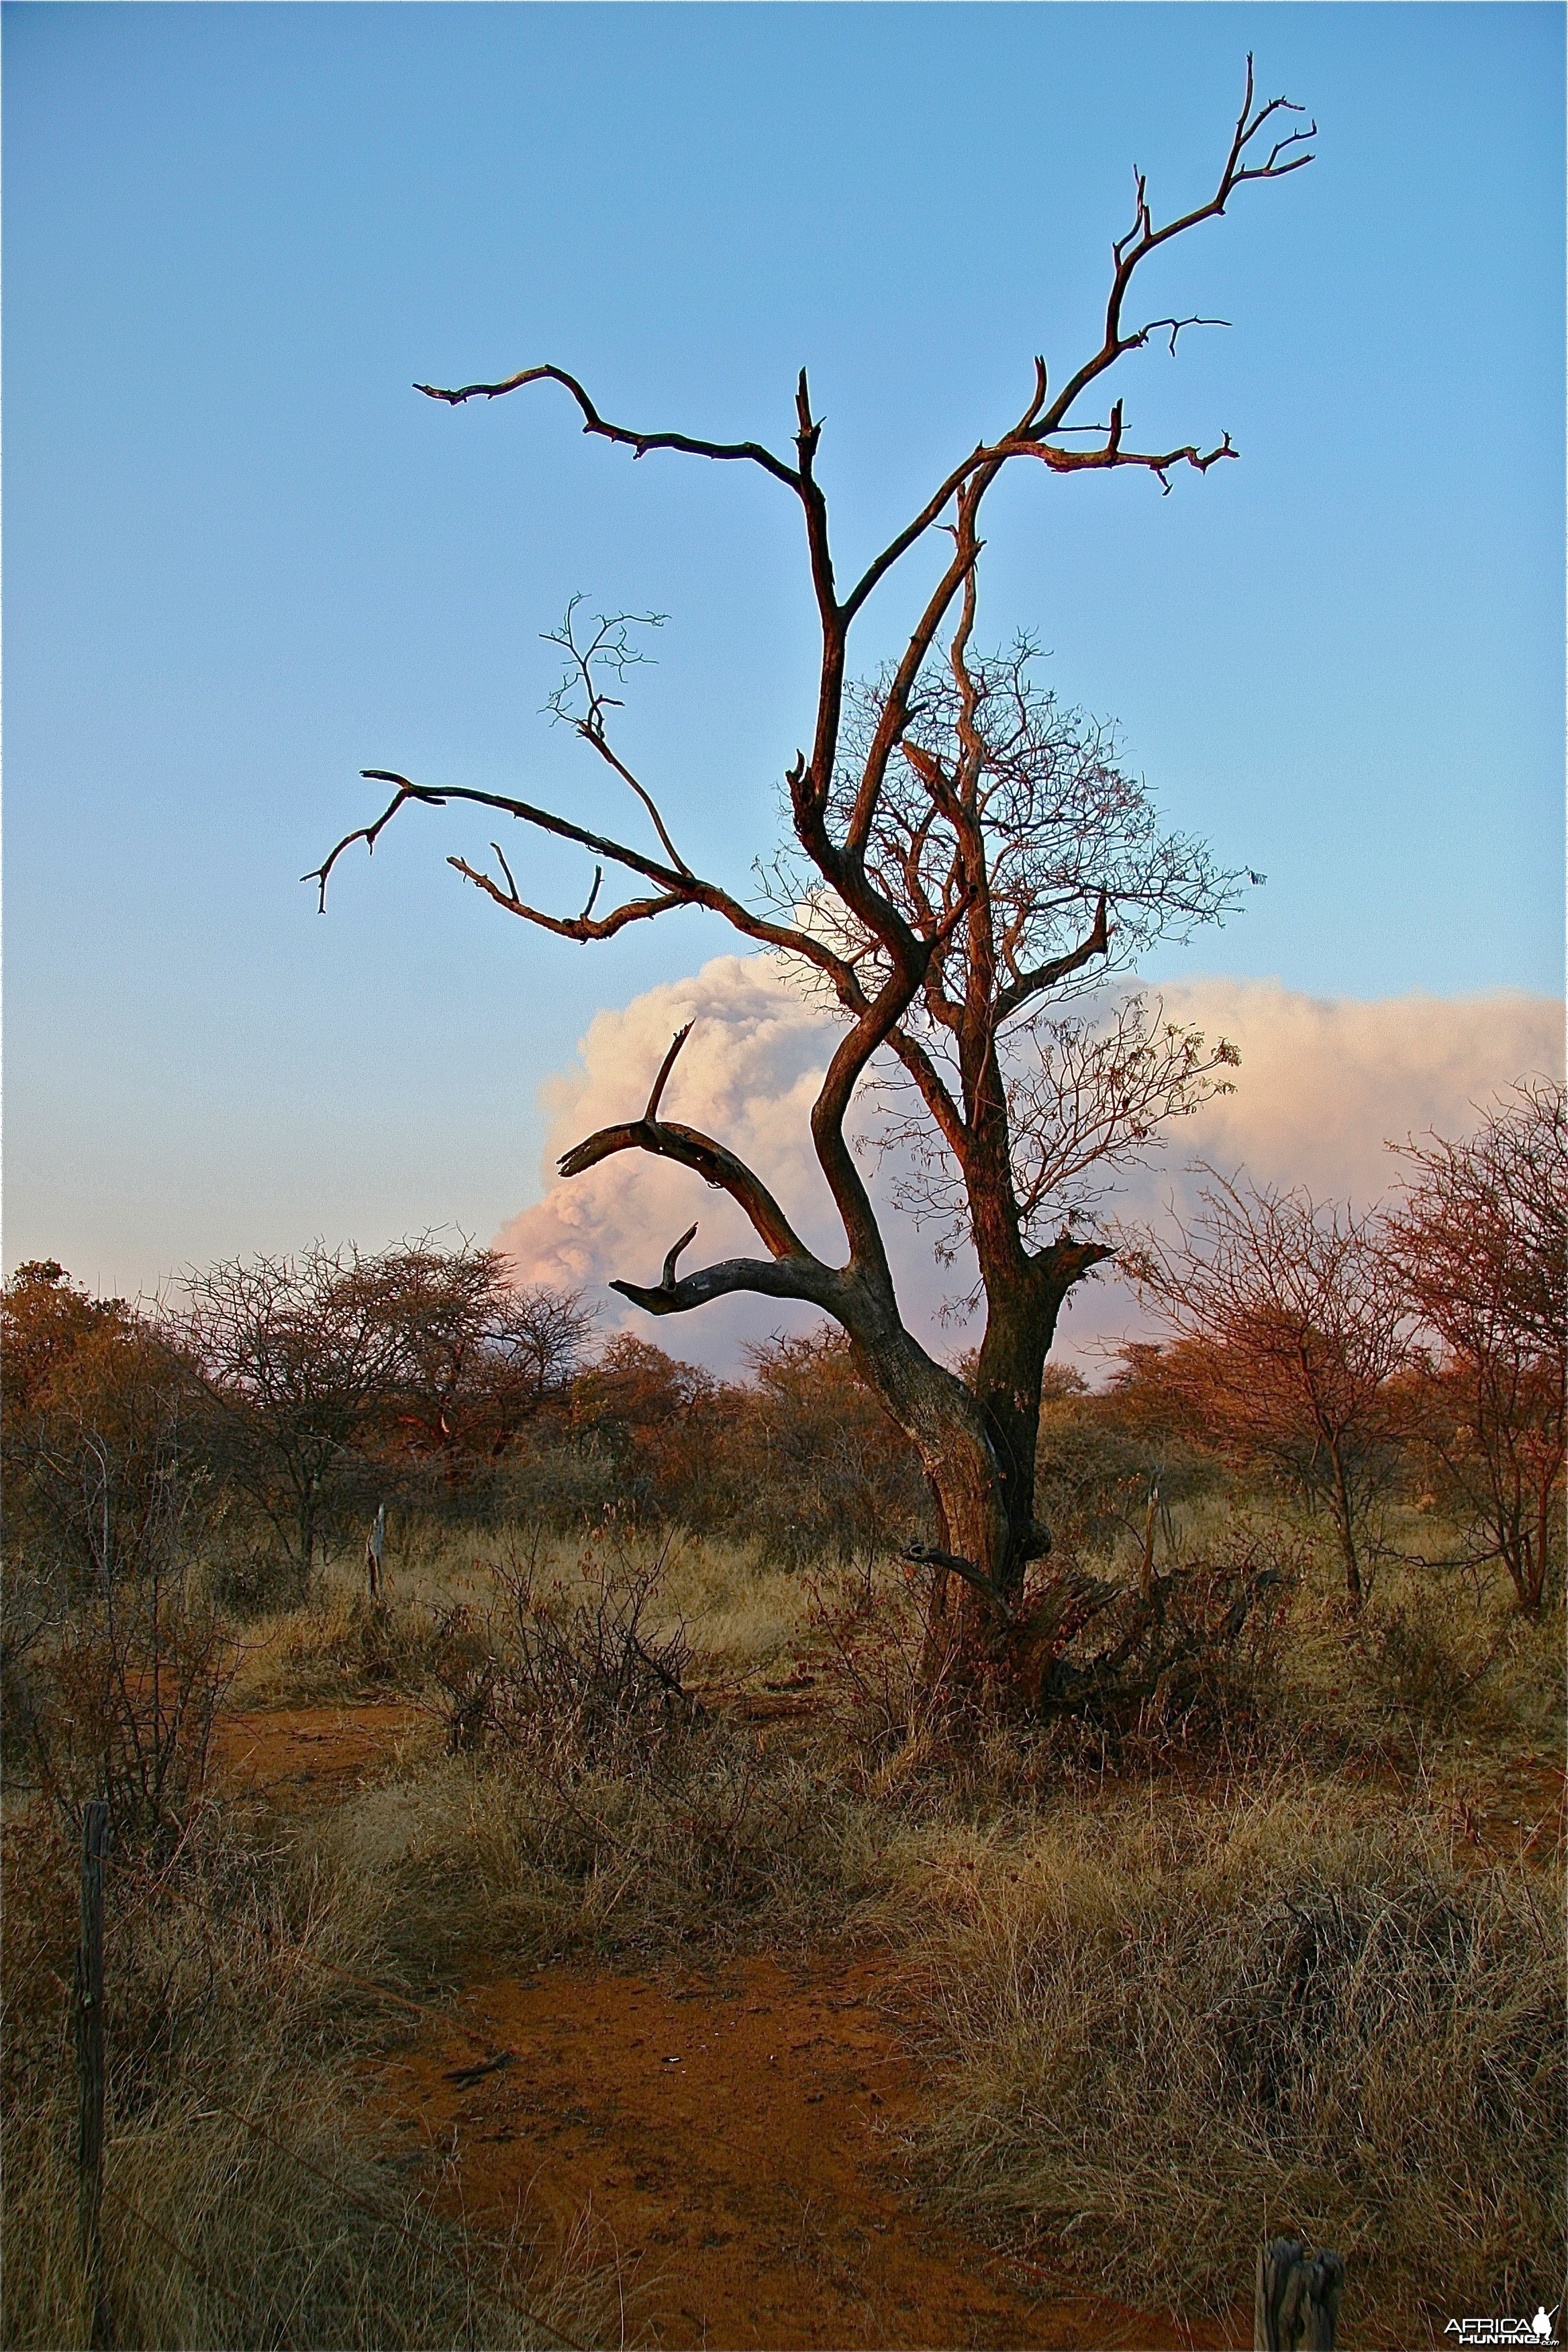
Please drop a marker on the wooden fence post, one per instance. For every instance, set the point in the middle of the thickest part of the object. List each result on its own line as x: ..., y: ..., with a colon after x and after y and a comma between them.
x: 372, y: 1550
x: 89, y: 2054
x: 1296, y: 2306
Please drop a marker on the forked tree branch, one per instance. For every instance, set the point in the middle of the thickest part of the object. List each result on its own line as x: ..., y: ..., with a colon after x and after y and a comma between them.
x: 1048, y: 975
x: 792, y: 1271
x: 812, y: 1283
x: 1030, y: 437
x: 1144, y: 238
x: 664, y: 1068
x: 610, y: 647
x: 573, y: 927
x: 677, y: 889
x: 688, y: 1147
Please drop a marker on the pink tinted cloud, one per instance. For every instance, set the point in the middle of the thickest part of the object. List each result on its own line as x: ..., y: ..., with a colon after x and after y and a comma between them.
x: 1325, y: 1084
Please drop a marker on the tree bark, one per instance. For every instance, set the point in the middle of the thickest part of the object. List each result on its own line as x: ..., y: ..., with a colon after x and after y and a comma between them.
x: 1344, y: 1522
x: 977, y: 1447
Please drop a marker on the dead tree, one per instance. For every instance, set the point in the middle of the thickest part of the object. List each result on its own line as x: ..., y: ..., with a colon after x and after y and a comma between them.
x: 911, y: 956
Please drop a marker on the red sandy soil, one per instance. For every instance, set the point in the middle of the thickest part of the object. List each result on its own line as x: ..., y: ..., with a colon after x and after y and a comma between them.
x: 739, y: 2141
x: 1521, y: 1808
x: 317, y: 1754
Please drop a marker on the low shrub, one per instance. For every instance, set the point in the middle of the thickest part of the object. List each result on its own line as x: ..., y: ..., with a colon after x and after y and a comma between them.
x: 1413, y: 1663
x: 516, y: 1859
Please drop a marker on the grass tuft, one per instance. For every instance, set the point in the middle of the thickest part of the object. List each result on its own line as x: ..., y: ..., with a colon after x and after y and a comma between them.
x: 1164, y: 2030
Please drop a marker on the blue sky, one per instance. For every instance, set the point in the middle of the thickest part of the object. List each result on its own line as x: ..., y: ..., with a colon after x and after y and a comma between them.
x: 246, y: 560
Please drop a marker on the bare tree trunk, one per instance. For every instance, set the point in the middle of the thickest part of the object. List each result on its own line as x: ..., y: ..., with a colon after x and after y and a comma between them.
x: 1024, y: 1299
x: 1007, y: 1385
x: 947, y: 1426
x: 978, y: 1449
x: 307, y: 1537
x: 1547, y: 1518
x: 1344, y: 1524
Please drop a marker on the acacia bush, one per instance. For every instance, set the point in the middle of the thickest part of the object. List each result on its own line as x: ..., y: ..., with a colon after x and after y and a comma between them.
x: 100, y: 1426
x: 1290, y: 1326
x: 665, y: 1431
x: 831, y: 1477
x: 1479, y: 1242
x: 798, y: 1460
x: 117, y: 1654
x: 1109, y: 1460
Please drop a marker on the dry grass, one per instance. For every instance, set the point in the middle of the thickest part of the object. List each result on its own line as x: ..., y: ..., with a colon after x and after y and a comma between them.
x: 251, y: 2198
x: 711, y: 1849
x: 1162, y: 2028
x: 1223, y: 1975
x: 741, y: 1617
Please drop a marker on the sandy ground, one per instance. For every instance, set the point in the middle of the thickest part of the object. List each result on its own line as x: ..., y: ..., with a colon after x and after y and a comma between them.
x: 733, y: 2144
x: 316, y: 1755
x: 739, y: 2141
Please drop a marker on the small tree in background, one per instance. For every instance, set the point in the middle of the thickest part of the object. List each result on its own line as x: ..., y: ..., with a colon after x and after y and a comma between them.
x: 1116, y: 1462
x: 540, y: 1335
x: 298, y: 1358
x: 44, y: 1317
x: 1481, y: 1245
x: 470, y: 1359
x: 1289, y: 1323
x: 116, y: 1657
x: 663, y: 1430
x: 98, y: 1420
x: 323, y: 1371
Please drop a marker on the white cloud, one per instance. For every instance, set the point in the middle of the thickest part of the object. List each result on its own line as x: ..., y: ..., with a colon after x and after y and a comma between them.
x: 1325, y: 1081
x: 1324, y: 1084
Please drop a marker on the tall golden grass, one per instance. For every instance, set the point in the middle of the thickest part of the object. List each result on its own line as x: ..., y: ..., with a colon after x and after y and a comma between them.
x: 1160, y: 2031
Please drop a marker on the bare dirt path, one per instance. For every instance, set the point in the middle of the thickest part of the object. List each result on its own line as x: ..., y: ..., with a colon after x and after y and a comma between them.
x: 313, y: 1755
x: 739, y: 2142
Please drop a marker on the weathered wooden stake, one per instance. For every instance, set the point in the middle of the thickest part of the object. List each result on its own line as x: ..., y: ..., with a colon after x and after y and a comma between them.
x: 89, y: 2054
x: 374, y: 1542
x: 1296, y: 2306
x: 1146, y: 1560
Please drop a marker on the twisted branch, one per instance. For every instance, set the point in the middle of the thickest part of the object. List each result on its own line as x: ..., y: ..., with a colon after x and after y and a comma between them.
x: 639, y: 444
x: 907, y: 948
